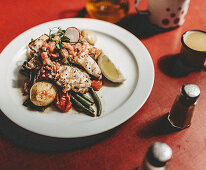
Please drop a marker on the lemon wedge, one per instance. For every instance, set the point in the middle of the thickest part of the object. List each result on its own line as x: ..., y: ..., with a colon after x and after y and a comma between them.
x: 109, y: 70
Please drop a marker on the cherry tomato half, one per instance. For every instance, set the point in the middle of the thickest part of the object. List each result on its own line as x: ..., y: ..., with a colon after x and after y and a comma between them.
x: 63, y: 102
x: 96, y: 84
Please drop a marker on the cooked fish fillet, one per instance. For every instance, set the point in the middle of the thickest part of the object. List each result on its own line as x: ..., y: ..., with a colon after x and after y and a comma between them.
x: 88, y: 63
x: 82, y: 57
x: 38, y: 43
x: 72, y: 78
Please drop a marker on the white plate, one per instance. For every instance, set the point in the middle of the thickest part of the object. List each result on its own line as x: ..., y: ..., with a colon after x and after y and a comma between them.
x: 119, y: 102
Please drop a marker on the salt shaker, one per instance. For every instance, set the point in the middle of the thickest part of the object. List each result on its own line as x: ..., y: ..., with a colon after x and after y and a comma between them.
x: 157, y: 157
x: 182, y: 111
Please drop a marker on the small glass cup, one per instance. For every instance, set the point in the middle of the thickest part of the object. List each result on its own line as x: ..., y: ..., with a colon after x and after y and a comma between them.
x: 193, y: 51
x: 108, y: 10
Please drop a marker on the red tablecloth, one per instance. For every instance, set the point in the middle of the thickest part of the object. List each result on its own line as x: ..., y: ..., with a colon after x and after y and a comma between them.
x: 125, y: 146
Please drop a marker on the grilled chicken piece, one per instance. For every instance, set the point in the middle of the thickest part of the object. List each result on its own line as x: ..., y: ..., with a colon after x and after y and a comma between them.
x: 37, y: 44
x: 72, y: 78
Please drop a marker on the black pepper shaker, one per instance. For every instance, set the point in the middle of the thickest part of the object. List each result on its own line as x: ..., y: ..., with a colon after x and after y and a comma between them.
x: 182, y: 111
x: 157, y: 157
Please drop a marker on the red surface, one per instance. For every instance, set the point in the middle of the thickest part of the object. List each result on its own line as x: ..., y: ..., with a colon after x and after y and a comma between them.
x: 124, y: 147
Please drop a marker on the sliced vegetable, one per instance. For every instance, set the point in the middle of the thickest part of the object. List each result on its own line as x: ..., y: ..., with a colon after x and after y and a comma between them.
x: 81, y: 107
x: 96, y: 100
x: 63, y: 101
x: 96, y: 84
x: 73, y: 34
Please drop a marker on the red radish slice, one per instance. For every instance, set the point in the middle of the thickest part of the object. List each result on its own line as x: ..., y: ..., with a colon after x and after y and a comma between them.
x: 73, y: 34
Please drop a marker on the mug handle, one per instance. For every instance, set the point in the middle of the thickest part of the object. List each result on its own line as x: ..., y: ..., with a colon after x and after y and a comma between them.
x: 141, y: 12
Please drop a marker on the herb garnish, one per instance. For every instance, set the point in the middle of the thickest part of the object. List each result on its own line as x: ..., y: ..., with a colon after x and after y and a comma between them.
x: 50, y: 65
x: 60, y: 31
x: 65, y: 39
x: 81, y: 42
x: 44, y: 49
x: 57, y: 46
x: 66, y: 62
x: 59, y: 43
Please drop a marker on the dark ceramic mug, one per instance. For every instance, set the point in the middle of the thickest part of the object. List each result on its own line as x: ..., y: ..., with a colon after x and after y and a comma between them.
x: 193, y: 51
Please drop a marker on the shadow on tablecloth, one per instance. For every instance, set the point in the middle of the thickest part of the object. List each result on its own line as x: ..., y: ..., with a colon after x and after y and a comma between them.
x: 158, y: 127
x: 140, y: 26
x: 172, y: 66
x: 35, y: 142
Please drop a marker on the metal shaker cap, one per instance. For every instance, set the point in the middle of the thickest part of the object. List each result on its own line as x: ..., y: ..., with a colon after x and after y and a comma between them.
x: 190, y: 92
x: 159, y: 154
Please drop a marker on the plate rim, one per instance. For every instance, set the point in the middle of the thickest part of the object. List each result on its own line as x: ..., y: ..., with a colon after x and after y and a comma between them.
x: 150, y: 72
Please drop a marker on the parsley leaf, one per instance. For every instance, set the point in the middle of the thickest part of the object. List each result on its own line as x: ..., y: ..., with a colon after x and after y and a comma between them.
x: 65, y: 39
x: 51, y: 36
x: 57, y: 46
x: 66, y: 62
x: 60, y: 31
x: 44, y: 49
